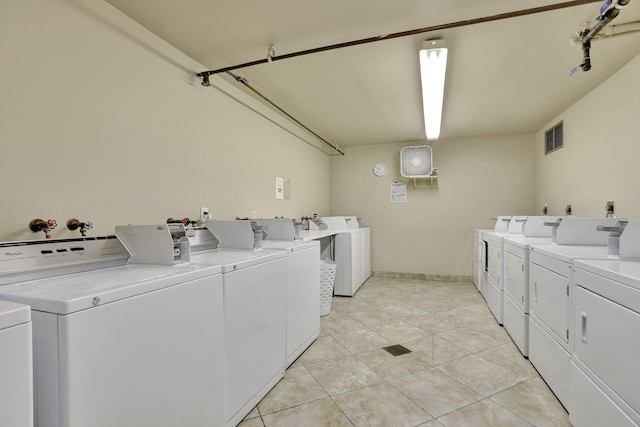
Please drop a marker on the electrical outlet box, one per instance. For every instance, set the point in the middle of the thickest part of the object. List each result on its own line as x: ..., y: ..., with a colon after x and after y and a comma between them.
x: 204, y: 214
x: 610, y: 208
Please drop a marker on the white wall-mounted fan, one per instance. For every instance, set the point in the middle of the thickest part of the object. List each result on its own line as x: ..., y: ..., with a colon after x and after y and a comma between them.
x: 416, y: 162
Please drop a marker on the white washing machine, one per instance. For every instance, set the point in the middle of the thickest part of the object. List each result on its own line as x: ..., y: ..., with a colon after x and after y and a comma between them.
x: 255, y: 315
x: 255, y: 321
x: 134, y: 345
x: 16, y: 365
x: 550, y: 296
x: 303, y: 293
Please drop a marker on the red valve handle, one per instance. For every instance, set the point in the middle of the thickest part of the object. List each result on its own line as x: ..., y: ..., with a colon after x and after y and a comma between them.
x: 50, y: 225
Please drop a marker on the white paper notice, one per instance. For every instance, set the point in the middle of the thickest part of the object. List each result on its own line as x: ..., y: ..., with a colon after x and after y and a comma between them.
x: 398, y: 192
x: 279, y: 187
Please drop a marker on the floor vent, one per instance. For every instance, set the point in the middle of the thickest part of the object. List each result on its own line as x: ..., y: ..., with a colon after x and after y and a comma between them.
x: 397, y: 350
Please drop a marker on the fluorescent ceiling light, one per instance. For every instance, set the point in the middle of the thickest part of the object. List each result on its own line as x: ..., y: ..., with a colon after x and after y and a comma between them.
x: 433, y: 67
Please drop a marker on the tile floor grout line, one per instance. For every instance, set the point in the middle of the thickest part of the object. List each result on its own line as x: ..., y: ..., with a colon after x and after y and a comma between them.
x: 261, y: 418
x: 413, y: 401
x: 299, y: 405
x: 482, y: 400
x: 342, y: 410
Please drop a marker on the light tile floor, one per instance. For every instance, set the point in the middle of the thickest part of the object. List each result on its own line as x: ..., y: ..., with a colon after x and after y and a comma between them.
x: 463, y: 369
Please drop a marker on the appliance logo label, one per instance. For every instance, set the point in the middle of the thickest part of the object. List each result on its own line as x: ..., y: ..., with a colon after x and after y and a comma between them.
x: 13, y: 253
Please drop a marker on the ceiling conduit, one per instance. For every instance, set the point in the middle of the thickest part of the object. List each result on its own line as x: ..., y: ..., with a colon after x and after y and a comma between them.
x: 464, y: 23
x: 271, y: 57
x: 246, y: 83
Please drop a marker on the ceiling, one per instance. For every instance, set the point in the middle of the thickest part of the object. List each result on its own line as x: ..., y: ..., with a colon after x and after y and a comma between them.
x: 507, y: 76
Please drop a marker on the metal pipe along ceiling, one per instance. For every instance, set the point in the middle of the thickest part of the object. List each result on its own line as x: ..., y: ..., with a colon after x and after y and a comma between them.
x: 618, y: 30
x: 248, y: 85
x: 271, y: 57
x: 440, y: 27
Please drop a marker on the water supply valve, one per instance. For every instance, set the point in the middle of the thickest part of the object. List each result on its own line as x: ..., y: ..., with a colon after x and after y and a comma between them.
x: 75, y: 224
x: 37, y: 225
x: 185, y: 221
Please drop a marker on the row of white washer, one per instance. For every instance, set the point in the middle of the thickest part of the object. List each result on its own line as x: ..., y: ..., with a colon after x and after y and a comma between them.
x: 197, y: 344
x: 562, y: 306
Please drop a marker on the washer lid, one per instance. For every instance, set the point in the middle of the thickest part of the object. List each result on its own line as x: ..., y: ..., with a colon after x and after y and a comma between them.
x: 289, y: 245
x: 234, y: 259
x: 13, y: 314
x: 79, y: 291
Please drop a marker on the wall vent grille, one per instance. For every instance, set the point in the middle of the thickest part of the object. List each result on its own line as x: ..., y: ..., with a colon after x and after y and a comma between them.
x: 553, y: 138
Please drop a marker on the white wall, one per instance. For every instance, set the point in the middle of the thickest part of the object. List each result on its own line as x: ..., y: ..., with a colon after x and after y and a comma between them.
x: 484, y: 177
x: 102, y: 121
x: 478, y: 178
x: 599, y: 160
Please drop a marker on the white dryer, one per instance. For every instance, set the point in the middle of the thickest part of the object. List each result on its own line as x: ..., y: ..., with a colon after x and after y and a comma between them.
x: 16, y: 365
x: 478, y: 273
x: 516, y: 278
x: 606, y: 319
x: 550, y: 296
x: 516, y: 289
x: 493, y: 240
x: 131, y: 345
x: 604, y: 369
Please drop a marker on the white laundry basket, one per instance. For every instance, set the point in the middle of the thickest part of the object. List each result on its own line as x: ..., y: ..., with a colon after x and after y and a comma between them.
x: 327, y: 281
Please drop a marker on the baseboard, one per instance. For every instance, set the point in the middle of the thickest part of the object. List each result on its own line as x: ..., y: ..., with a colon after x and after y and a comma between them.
x: 420, y: 276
